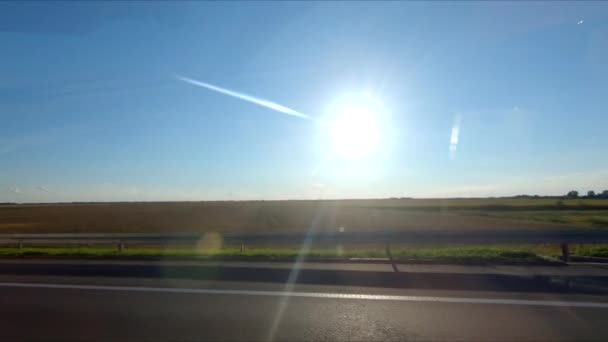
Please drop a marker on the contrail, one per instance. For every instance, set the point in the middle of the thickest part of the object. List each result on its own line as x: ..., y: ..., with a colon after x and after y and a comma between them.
x: 260, y: 102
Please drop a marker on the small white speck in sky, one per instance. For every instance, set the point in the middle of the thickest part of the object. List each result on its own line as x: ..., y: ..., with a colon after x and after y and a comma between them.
x: 580, y: 22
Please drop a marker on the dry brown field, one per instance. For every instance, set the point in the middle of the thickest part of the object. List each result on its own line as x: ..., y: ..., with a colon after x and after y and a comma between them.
x: 292, y: 216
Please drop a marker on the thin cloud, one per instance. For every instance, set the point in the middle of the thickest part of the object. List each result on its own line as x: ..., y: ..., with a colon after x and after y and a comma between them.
x: 14, y: 189
x: 43, y: 188
x: 260, y: 102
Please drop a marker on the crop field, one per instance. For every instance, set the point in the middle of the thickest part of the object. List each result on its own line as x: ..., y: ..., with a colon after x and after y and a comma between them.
x: 295, y: 216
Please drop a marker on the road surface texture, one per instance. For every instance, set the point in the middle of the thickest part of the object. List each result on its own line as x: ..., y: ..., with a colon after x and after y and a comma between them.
x: 145, y: 300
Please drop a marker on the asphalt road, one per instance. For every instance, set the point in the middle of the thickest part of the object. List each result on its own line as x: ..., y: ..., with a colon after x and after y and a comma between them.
x: 83, y: 306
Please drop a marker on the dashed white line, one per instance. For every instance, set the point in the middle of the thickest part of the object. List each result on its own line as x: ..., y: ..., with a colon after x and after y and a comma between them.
x: 460, y: 300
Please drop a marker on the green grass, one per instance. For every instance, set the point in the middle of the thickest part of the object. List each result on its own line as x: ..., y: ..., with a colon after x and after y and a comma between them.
x: 448, y: 254
x: 466, y: 253
x: 595, y: 251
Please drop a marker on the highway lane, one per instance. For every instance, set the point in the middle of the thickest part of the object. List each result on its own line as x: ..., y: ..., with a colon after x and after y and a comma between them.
x: 107, y: 312
x: 202, y: 300
x: 567, y: 279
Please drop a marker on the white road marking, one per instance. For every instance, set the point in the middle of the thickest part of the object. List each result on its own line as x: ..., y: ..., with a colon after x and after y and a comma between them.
x: 461, y: 300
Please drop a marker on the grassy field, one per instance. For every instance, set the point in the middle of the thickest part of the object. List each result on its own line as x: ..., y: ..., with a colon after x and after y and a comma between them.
x: 293, y: 216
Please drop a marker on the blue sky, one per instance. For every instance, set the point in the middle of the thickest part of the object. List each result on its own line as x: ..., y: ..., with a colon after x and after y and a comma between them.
x: 91, y: 110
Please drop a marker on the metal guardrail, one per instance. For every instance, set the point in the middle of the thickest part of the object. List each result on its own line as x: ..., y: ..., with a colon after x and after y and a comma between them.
x: 478, y: 237
x: 590, y: 236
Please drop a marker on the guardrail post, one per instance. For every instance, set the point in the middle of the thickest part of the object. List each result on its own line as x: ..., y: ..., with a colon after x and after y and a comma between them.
x: 242, y: 247
x: 20, y: 244
x: 390, y: 257
x: 121, y: 246
x: 565, y: 252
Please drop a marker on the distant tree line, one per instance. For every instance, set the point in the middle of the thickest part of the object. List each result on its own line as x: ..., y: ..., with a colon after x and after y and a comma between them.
x: 570, y: 194
x: 590, y: 194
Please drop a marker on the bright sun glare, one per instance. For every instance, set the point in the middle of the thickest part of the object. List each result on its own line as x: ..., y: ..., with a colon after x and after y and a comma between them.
x: 353, y: 127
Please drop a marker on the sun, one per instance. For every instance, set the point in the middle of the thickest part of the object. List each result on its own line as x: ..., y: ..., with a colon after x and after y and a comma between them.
x: 353, y: 133
x: 353, y: 127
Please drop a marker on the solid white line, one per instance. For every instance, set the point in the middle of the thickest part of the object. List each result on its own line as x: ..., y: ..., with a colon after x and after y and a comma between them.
x: 460, y: 300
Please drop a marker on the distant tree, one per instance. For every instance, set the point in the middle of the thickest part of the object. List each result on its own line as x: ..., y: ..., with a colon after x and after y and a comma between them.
x: 572, y: 194
x: 590, y: 193
x: 604, y: 194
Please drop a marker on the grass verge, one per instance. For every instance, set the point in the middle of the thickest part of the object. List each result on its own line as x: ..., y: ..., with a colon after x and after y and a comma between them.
x: 466, y: 254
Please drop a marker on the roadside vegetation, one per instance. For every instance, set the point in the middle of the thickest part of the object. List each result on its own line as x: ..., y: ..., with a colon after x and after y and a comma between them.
x: 492, y: 254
